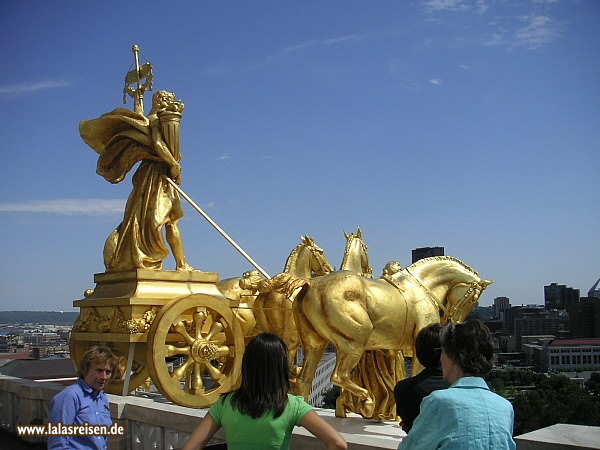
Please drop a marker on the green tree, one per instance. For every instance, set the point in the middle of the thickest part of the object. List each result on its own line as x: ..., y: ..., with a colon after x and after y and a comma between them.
x: 330, y: 396
x: 593, y: 385
x: 553, y: 399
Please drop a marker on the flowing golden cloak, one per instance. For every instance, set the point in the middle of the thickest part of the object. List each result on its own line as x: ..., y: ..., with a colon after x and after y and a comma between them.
x: 122, y: 138
x: 378, y: 372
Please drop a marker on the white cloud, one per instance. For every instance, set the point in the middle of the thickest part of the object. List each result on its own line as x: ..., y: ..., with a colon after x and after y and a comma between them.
x: 465, y: 67
x: 539, y: 31
x: 68, y: 207
x: 223, y: 157
x: 215, y: 70
x: 448, y: 5
x: 26, y: 88
x: 298, y: 47
x: 436, y: 81
x: 482, y: 6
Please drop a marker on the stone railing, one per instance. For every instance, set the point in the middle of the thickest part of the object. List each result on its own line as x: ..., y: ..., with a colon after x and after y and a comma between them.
x: 153, y: 423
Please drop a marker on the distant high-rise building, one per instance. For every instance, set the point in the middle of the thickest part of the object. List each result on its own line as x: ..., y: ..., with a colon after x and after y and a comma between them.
x: 534, y: 320
x: 584, y: 318
x: 559, y: 296
x: 426, y: 252
x: 501, y: 304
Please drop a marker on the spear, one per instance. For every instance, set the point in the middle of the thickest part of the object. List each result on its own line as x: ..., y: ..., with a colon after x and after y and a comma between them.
x: 217, y: 227
x: 139, y: 103
x: 136, y: 76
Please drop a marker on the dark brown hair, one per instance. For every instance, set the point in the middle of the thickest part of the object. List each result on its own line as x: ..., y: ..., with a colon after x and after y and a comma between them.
x: 427, y: 345
x: 265, y: 377
x: 469, y: 345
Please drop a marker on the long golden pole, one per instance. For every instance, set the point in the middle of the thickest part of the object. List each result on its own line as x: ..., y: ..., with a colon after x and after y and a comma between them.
x: 139, y: 103
x: 218, y: 228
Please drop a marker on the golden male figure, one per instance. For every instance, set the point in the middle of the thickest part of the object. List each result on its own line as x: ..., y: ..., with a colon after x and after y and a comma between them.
x: 122, y: 138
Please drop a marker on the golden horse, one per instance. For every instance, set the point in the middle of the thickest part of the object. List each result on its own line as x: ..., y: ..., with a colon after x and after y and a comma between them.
x: 378, y: 371
x: 356, y: 257
x: 356, y: 314
x: 243, y: 291
x: 272, y: 309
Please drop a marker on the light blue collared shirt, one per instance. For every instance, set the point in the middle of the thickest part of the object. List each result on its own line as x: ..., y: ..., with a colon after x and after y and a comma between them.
x: 465, y: 416
x: 75, y: 405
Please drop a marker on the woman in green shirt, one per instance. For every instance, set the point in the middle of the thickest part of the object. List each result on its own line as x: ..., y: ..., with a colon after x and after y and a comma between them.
x: 261, y: 413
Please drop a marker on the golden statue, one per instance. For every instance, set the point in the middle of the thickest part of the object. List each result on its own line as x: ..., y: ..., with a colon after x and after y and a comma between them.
x: 356, y: 257
x: 243, y: 292
x: 122, y: 138
x: 272, y: 309
x: 378, y: 371
x: 356, y: 314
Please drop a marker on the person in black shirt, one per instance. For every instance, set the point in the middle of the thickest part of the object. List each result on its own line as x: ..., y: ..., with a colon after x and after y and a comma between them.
x: 409, y: 392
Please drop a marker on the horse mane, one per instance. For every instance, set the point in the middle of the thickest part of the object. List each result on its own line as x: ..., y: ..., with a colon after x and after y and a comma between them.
x: 293, y: 254
x: 443, y: 258
x: 347, y: 249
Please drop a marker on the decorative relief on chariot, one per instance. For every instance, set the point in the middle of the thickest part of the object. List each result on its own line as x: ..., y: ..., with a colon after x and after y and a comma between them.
x: 86, y: 321
x: 91, y: 321
x: 141, y: 325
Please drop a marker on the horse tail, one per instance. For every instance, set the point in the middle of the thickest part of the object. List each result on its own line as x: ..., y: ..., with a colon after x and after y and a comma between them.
x: 282, y: 283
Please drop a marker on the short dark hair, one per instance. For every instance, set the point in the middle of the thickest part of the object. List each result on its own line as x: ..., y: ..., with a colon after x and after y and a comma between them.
x: 427, y: 345
x: 265, y: 377
x: 469, y: 345
x: 98, y: 353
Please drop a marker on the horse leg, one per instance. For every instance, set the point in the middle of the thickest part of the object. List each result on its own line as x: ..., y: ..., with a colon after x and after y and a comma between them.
x: 346, y: 360
x: 293, y: 347
x: 313, y: 352
x: 313, y: 345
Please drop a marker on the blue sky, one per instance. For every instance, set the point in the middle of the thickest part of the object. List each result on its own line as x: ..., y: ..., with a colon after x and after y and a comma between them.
x: 473, y: 125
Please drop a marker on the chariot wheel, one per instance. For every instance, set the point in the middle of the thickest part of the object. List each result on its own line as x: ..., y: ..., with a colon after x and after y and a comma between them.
x: 139, y: 370
x: 194, y: 350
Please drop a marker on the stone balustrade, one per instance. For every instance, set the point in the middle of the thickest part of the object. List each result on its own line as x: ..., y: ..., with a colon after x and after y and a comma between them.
x: 151, y: 422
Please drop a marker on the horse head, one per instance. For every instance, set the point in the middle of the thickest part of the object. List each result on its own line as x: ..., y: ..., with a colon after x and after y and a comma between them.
x: 462, y: 297
x: 356, y: 256
x: 318, y: 262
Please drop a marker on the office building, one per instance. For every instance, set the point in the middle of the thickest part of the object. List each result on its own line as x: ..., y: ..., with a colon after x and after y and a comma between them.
x: 531, y: 321
x: 584, y: 318
x: 501, y: 304
x: 426, y: 252
x: 573, y: 355
x: 559, y: 296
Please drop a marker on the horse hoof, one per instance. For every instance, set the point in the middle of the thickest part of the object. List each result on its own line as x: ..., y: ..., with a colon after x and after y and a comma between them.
x: 340, y: 410
x: 369, y: 407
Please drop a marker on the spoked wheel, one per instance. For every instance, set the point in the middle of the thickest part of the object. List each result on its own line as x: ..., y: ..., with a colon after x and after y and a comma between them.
x: 194, y: 350
x: 139, y: 370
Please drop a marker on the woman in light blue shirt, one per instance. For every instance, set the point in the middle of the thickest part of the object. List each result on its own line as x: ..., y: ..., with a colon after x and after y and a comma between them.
x: 467, y: 415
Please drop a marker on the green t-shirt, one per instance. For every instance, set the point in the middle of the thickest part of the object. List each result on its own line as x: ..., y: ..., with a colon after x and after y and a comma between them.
x: 242, y: 432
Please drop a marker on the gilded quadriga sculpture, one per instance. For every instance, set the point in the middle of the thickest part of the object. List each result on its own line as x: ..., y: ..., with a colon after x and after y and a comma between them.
x: 185, y: 331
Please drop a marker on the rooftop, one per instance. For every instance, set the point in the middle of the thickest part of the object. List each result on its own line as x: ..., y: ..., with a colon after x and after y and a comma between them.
x: 589, y: 341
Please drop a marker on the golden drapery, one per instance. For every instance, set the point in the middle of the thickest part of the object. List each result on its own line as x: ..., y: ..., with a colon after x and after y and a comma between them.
x: 378, y: 372
x: 122, y: 138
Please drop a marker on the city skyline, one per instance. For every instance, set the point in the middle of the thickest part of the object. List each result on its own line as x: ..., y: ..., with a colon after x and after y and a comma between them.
x: 474, y: 126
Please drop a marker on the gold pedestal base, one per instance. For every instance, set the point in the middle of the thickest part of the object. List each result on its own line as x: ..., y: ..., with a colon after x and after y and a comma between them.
x: 125, y: 303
